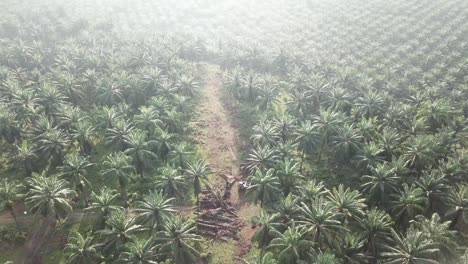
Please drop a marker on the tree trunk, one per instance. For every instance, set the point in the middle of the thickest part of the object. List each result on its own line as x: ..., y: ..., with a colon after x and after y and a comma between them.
x: 13, y: 214
x: 302, y: 160
x: 317, y: 236
x: 83, y: 194
x: 322, y: 145
x: 373, y: 249
x: 140, y: 168
x: 27, y: 168
x: 124, y: 196
x: 458, y: 216
x: 85, y: 200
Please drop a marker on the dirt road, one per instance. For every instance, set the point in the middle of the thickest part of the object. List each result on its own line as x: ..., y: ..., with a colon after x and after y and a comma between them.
x: 219, y: 140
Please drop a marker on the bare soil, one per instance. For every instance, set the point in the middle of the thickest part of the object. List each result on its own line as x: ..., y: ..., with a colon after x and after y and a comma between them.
x: 219, y: 139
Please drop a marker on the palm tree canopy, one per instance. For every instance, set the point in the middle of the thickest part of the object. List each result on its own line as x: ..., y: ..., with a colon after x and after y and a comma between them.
x: 49, y: 196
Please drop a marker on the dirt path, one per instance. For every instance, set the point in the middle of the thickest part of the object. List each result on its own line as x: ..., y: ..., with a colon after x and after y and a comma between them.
x: 219, y: 140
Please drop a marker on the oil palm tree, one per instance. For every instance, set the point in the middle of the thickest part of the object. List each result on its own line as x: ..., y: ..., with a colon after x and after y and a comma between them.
x: 436, y: 113
x: 339, y: 100
x: 75, y: 170
x: 25, y: 156
x: 165, y: 141
x: 419, y: 152
x: 371, y: 103
x: 370, y: 154
x: 266, y: 223
x: 266, y: 95
x: 457, y: 202
x: 139, y: 149
x: 104, y: 203
x: 326, y: 258
x: 409, y: 202
x: 389, y: 139
x: 346, y: 142
x: 434, y: 186
x: 312, y: 190
x: 154, y: 209
x: 376, y: 226
x: 81, y: 249
x: 288, y: 175
x: 50, y: 98
x: 264, y: 186
x: 261, y: 159
x: 286, y: 150
x: 414, y: 248
x: 183, y: 105
x: 84, y: 133
x: 107, y: 117
x: 49, y: 196
x: 287, y: 208
x: 26, y: 104
x: 348, y: 203
x: 68, y: 115
x: 117, y: 136
x: 120, y: 229
x: 147, y: 119
x: 180, y: 153
x: 293, y: 245
x: 176, y: 240
x: 171, y: 182
x: 109, y: 93
x: 53, y: 144
x: 350, y: 249
x: 117, y: 165
x: 188, y: 85
x: 9, y: 126
x: 233, y: 81
x: 141, y: 251
x: 197, y: 171
x: 285, y: 125
x: 9, y: 195
x: 326, y: 123
x: 308, y: 138
x: 152, y: 77
x: 264, y: 134
x: 381, y: 182
x: 437, y: 230
x: 322, y: 219
x: 299, y: 103
x: 174, y: 121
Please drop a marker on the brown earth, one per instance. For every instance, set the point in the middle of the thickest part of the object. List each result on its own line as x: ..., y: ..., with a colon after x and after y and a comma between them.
x: 219, y: 139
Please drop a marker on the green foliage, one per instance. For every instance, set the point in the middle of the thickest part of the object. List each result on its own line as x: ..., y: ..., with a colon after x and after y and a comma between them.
x: 10, y: 235
x: 352, y: 128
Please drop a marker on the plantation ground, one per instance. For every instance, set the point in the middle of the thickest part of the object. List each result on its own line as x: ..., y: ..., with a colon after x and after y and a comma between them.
x: 219, y: 140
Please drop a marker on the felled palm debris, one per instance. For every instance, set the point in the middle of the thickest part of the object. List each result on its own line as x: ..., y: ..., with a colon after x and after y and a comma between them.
x: 217, y: 218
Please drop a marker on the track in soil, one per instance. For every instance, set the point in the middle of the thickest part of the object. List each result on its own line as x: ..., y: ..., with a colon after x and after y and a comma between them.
x: 219, y: 141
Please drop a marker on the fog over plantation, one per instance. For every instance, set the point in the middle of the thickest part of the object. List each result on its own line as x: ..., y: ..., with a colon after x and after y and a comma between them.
x: 261, y: 132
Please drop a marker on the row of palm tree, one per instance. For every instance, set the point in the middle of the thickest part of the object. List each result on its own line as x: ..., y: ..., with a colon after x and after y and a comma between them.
x: 119, y: 242
x: 350, y: 170
x: 95, y: 126
x: 339, y: 221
